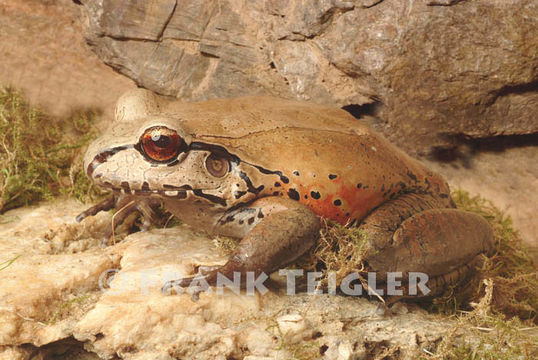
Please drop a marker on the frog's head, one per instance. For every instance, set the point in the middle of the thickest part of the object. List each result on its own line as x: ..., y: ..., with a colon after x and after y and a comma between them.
x: 148, y: 153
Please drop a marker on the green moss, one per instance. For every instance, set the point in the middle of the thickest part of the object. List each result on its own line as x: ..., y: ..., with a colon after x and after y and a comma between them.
x: 40, y: 156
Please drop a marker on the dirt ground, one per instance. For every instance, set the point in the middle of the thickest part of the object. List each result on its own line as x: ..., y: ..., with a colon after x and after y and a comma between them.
x: 44, y: 54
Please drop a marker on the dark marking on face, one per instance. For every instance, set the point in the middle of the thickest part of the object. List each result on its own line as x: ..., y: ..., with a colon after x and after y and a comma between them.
x: 359, y: 185
x: 277, y: 184
x: 305, y: 196
x: 276, y: 193
x: 125, y: 186
x: 260, y: 214
x: 103, y: 157
x: 392, y: 196
x: 217, y: 150
x: 238, y: 194
x: 241, y: 222
x: 353, y: 222
x: 250, y: 186
x: 145, y: 186
x: 293, y: 194
x: 315, y: 195
x: 443, y: 196
x: 383, y: 187
x: 250, y: 221
x: 332, y: 176
x: 337, y: 202
x: 212, y: 198
x: 226, y: 220
x: 365, y: 187
x: 173, y: 187
x: 283, y: 178
x: 296, y: 173
x: 347, y: 214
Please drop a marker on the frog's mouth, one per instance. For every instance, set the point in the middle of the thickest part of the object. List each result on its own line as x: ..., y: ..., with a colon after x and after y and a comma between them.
x: 172, y: 192
x: 126, y: 190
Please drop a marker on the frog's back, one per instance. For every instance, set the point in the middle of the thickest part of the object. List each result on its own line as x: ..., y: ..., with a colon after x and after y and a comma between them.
x: 240, y: 117
x: 334, y: 163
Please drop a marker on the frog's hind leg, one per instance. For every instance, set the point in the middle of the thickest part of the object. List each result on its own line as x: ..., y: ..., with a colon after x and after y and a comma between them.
x: 422, y: 234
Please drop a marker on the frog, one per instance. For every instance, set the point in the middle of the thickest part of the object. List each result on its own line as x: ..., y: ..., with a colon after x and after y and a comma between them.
x: 267, y: 170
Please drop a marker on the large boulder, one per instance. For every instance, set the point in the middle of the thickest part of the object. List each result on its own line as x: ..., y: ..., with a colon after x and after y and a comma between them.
x: 439, y: 69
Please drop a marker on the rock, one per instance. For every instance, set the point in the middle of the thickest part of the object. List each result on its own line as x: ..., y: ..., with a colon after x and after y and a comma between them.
x: 62, y: 300
x: 444, y: 69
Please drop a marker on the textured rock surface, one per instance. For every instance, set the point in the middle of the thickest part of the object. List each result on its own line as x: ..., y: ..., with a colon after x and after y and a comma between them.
x: 441, y: 68
x: 51, y: 303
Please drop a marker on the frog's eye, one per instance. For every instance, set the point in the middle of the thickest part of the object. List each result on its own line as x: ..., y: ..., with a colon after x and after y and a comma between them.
x: 161, y: 144
x: 217, y: 166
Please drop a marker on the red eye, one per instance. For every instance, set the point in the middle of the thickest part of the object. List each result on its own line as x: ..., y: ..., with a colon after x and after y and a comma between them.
x: 161, y: 144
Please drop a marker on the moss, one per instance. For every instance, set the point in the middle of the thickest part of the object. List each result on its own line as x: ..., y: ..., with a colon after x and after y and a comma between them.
x: 225, y: 244
x: 340, y: 249
x: 65, y: 307
x: 40, y: 156
x: 494, y: 336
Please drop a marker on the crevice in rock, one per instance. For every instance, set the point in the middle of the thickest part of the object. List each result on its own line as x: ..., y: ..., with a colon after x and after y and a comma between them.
x: 516, y: 89
x: 372, y: 4
x: 465, y: 147
x: 65, y: 349
x: 443, y: 2
x: 165, y: 25
x: 359, y: 111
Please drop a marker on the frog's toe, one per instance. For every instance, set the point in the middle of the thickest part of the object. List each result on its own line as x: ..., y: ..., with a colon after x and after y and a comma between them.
x: 195, y: 284
x: 104, y: 205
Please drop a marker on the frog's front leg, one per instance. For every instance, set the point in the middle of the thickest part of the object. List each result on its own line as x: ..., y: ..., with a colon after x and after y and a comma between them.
x: 420, y: 233
x: 274, y: 231
x: 125, y: 205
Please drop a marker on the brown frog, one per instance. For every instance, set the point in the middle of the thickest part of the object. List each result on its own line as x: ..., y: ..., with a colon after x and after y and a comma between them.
x: 265, y: 170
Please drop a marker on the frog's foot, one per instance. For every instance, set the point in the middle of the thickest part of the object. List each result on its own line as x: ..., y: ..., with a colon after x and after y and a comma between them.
x: 126, y: 205
x: 275, y: 232
x: 195, y: 284
x: 412, y: 234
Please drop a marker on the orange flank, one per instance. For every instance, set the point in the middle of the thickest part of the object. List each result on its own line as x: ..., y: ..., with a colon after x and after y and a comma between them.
x: 342, y: 203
